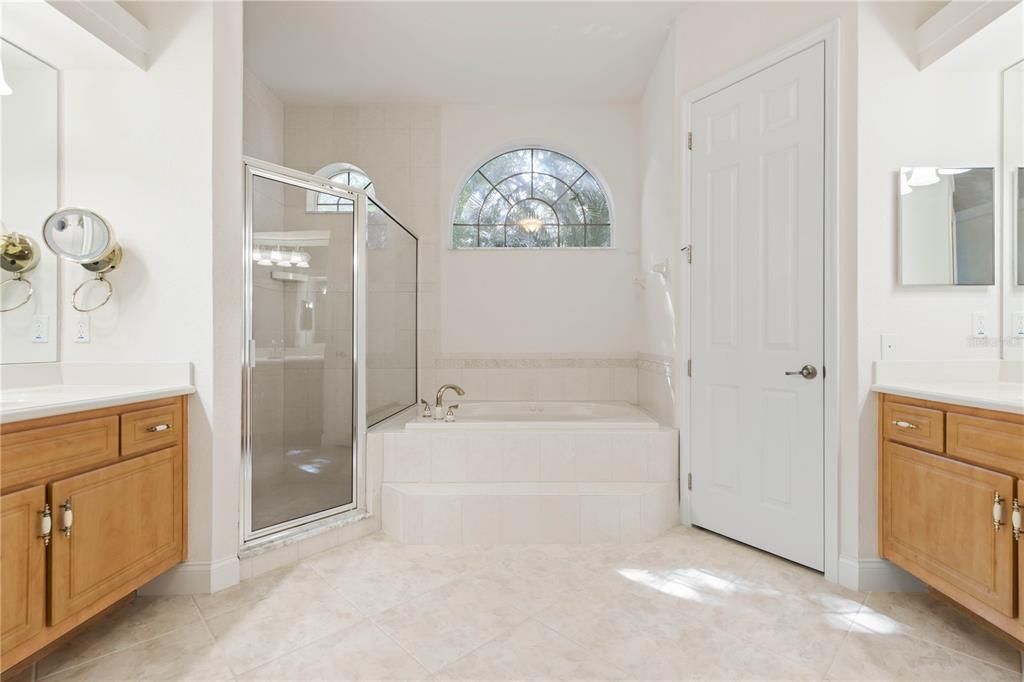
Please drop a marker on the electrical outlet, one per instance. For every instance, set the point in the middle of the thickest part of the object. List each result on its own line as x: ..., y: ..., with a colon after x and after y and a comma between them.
x: 1018, y: 324
x: 979, y: 324
x: 40, y: 329
x: 889, y: 342
x: 82, y: 329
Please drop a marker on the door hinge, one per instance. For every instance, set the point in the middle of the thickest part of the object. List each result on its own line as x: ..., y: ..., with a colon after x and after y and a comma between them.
x: 689, y: 368
x: 689, y: 481
x: 689, y: 252
x: 689, y: 141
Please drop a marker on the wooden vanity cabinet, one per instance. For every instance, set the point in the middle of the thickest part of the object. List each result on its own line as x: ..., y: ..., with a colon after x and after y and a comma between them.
x: 950, y: 478
x: 116, y: 516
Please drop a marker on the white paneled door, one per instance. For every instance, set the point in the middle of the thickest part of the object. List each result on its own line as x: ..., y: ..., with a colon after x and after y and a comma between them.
x: 757, y: 217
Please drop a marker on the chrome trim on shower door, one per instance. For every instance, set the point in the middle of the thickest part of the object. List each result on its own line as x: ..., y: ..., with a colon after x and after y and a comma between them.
x: 254, y: 168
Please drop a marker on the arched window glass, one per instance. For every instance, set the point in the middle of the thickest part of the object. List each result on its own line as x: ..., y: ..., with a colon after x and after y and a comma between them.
x: 531, y: 198
x: 344, y: 174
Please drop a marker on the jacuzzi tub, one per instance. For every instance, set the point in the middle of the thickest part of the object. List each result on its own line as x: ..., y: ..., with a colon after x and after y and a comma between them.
x: 541, y: 415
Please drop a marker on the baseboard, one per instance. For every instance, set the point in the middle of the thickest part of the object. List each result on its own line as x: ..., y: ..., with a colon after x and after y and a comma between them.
x: 195, y: 577
x: 876, y: 575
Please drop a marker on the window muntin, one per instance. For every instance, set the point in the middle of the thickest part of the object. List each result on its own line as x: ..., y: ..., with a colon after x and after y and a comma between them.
x: 344, y: 174
x: 531, y: 198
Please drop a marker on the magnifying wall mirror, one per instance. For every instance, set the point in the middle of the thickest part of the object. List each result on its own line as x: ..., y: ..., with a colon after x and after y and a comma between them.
x: 947, y: 226
x: 81, y: 236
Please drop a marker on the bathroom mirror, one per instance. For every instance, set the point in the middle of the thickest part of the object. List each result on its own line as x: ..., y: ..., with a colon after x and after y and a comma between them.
x: 947, y: 226
x: 29, y: 188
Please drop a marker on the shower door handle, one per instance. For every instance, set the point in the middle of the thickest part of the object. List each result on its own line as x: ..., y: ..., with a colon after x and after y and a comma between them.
x: 251, y: 351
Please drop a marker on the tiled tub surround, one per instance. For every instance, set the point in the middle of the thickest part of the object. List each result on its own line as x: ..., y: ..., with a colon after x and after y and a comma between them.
x: 537, y: 377
x: 510, y: 486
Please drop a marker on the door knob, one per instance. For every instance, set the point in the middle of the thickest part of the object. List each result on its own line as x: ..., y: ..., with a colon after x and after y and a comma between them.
x: 807, y: 372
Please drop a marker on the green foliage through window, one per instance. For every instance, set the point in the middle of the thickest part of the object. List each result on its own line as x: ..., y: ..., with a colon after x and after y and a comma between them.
x: 531, y: 198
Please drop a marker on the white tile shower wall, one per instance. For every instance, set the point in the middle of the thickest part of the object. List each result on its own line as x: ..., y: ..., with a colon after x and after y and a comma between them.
x: 398, y: 146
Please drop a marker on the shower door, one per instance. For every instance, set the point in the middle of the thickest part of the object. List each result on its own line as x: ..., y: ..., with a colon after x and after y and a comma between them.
x: 303, y: 385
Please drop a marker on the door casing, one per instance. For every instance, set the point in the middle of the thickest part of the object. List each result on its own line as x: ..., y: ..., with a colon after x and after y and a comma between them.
x: 829, y: 35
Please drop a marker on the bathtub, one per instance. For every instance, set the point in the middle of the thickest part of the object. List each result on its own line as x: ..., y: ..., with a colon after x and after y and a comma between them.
x: 541, y: 415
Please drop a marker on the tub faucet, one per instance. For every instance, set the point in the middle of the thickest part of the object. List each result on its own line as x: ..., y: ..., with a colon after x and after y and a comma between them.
x: 440, y: 396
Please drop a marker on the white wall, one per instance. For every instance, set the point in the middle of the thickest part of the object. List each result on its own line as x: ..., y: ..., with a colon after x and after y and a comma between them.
x: 263, y: 129
x: 659, y: 238
x: 910, y: 118
x: 157, y: 153
x: 521, y: 325
x: 556, y: 301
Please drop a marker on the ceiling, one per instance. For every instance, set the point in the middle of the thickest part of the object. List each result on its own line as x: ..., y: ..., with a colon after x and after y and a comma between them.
x: 486, y: 52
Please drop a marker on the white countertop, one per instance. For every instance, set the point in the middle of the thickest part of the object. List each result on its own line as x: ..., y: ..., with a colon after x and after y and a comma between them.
x: 48, y: 389
x: 985, y: 384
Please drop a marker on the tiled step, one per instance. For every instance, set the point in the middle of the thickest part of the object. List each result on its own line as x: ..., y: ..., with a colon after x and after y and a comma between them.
x: 528, y: 513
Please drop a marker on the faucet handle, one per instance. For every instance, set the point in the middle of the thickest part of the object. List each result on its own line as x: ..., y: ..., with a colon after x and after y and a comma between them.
x: 427, y: 413
x: 450, y: 416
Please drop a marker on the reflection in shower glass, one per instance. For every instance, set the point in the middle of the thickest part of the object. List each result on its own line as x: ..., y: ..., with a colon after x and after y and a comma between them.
x: 390, y: 316
x: 301, y: 423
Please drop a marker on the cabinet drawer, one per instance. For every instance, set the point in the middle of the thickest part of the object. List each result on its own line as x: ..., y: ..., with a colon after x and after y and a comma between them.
x: 987, y: 442
x: 151, y: 429
x: 937, y: 523
x: 52, y: 451
x: 914, y: 425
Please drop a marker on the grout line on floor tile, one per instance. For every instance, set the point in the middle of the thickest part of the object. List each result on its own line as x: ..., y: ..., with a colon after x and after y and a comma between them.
x: 35, y: 666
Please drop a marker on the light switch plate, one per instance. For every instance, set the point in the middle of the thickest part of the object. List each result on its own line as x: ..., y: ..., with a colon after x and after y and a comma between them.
x: 979, y: 324
x: 82, y: 329
x: 40, y: 329
x: 889, y: 342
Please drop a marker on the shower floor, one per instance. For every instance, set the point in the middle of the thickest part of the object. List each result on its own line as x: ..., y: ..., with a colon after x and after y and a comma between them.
x: 299, y: 482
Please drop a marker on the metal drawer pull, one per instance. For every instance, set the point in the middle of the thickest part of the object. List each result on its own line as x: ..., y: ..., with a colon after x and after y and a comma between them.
x: 158, y: 427
x: 1015, y: 519
x: 68, y: 517
x: 904, y: 425
x: 997, y: 511
x: 45, y: 525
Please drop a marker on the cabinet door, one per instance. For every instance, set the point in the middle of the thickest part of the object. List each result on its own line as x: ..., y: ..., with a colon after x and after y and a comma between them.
x: 937, y: 522
x: 23, y: 561
x: 126, y: 527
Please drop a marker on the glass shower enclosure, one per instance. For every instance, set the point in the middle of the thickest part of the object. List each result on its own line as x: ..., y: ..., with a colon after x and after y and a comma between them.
x: 330, y: 328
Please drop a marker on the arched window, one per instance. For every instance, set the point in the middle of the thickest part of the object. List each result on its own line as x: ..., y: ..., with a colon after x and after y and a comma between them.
x: 342, y: 173
x: 531, y: 198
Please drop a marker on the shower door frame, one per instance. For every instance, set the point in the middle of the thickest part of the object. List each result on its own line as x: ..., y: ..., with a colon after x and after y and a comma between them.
x: 255, y: 168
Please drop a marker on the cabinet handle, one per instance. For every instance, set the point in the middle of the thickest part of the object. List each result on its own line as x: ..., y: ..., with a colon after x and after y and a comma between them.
x: 1015, y: 518
x: 158, y: 427
x: 904, y: 425
x: 45, y: 525
x: 997, y: 511
x: 68, y: 517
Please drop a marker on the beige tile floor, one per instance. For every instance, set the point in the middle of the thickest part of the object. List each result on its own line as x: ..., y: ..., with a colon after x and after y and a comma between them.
x: 690, y: 605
